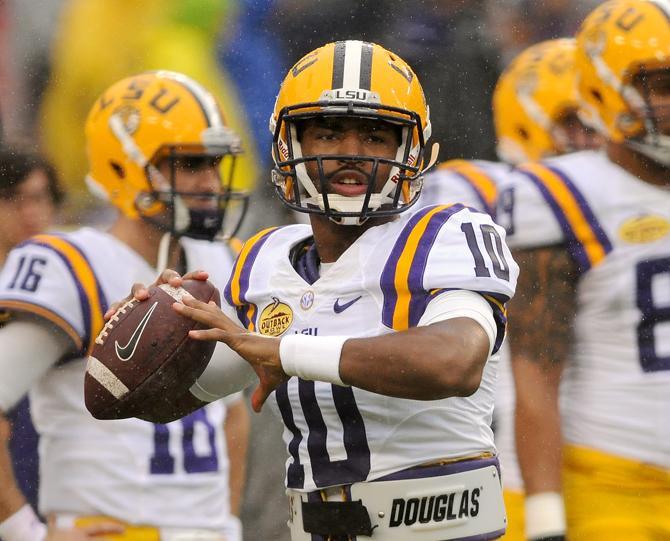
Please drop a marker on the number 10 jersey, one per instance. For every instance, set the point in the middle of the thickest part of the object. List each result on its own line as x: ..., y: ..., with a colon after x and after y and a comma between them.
x: 381, y: 284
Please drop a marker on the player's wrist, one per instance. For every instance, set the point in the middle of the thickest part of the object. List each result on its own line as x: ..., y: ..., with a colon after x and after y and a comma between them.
x: 314, y: 358
x: 24, y: 525
x: 545, y: 517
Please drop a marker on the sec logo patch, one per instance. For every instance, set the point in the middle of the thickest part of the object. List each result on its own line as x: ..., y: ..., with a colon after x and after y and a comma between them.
x: 644, y: 229
x: 275, y: 318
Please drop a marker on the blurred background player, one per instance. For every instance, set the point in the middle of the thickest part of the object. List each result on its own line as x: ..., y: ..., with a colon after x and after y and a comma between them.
x: 159, y: 149
x: 535, y: 116
x: 592, y: 235
x: 30, y: 195
x: 98, y: 43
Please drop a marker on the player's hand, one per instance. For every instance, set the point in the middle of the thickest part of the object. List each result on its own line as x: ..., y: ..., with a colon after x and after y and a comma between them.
x: 99, y: 532
x: 261, y: 352
x: 140, y: 291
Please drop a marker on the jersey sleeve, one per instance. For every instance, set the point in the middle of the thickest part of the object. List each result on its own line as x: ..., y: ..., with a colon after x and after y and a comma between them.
x: 50, y: 278
x: 473, y: 184
x: 234, y: 294
x: 446, y: 248
x: 541, y: 205
x: 524, y: 213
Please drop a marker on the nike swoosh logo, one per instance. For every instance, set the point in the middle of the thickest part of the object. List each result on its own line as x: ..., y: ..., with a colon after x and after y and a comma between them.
x: 342, y: 307
x: 125, y: 353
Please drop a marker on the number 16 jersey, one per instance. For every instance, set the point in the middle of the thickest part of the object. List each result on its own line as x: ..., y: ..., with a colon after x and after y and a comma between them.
x: 381, y: 284
x: 173, y: 475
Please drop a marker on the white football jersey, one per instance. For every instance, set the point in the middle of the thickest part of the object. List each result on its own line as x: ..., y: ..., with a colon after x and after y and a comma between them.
x: 616, y: 390
x: 472, y: 183
x: 475, y: 184
x: 173, y: 475
x: 381, y: 284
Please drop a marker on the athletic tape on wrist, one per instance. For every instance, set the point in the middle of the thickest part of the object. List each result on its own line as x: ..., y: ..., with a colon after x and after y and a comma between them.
x: 545, y: 515
x: 315, y: 358
x: 24, y: 525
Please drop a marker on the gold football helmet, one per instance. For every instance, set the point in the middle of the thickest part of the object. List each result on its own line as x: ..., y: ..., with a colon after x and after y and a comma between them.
x: 618, y: 43
x: 351, y: 79
x: 142, y: 120
x: 534, y: 94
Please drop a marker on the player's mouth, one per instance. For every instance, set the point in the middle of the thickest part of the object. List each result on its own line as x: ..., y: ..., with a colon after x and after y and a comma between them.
x: 349, y: 183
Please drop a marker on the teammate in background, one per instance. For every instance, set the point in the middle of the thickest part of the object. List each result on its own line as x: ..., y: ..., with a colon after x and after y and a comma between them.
x: 373, y: 334
x: 29, y: 197
x: 535, y: 115
x: 30, y: 194
x: 160, y: 150
x: 591, y: 231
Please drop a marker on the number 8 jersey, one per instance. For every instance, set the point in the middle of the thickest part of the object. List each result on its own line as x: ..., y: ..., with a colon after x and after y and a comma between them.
x: 381, y: 284
x: 615, y: 395
x: 173, y: 475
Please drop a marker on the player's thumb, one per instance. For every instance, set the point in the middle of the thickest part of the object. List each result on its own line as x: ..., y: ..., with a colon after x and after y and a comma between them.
x: 258, y: 398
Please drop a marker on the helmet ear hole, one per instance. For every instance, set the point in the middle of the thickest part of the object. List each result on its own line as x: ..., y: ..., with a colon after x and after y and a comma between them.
x: 118, y: 169
x: 523, y: 133
x: 597, y: 95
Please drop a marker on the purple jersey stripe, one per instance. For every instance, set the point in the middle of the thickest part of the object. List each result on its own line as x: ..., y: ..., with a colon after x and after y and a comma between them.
x: 575, y: 248
x: 478, y: 193
x: 419, y: 296
x: 83, y: 298
x: 247, y: 261
x: 104, y: 305
x: 387, y: 280
x: 598, y: 231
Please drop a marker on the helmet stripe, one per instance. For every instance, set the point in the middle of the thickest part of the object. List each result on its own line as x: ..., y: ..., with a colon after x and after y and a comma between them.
x: 663, y: 6
x: 352, y: 64
x: 366, y: 66
x: 205, y: 100
x: 338, y: 64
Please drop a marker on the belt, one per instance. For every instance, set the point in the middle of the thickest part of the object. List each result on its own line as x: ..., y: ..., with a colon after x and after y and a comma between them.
x: 133, y: 532
x: 446, y: 501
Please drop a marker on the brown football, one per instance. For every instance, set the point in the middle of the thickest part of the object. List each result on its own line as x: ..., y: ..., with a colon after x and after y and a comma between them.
x: 144, y: 358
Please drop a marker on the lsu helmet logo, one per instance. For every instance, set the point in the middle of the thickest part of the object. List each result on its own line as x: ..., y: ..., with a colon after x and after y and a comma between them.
x: 275, y: 318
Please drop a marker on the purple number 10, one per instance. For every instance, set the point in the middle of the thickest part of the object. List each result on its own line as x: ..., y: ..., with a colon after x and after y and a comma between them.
x: 162, y: 462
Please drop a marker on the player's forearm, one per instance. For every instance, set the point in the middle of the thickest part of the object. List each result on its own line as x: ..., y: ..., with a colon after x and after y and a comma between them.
x: 237, y: 438
x: 423, y: 363
x: 538, y: 425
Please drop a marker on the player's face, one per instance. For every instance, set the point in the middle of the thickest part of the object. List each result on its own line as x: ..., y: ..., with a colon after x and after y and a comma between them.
x: 580, y: 137
x: 350, y: 137
x: 195, y: 176
x: 29, y: 210
x: 655, y: 86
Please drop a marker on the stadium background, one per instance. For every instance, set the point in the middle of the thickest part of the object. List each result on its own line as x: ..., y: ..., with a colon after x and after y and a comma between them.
x: 56, y: 56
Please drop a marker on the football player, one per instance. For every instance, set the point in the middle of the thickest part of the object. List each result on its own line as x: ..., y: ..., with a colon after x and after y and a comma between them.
x: 535, y: 107
x: 30, y: 195
x: 591, y: 230
x: 371, y: 330
x: 159, y: 149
